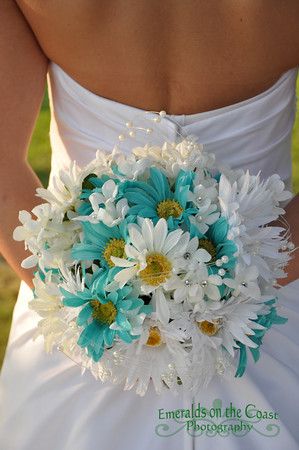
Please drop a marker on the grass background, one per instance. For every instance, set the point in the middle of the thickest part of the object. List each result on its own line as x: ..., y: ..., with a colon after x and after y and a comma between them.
x: 39, y: 157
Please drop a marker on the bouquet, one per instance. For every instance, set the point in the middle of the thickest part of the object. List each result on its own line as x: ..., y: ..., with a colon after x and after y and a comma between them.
x: 157, y: 266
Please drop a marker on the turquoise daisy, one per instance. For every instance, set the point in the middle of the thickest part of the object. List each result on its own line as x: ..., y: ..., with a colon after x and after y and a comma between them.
x: 105, y: 316
x: 155, y: 198
x: 215, y: 241
x: 100, y: 242
x: 266, y: 320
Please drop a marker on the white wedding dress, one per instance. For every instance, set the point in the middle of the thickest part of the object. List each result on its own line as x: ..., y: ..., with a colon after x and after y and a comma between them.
x: 46, y: 404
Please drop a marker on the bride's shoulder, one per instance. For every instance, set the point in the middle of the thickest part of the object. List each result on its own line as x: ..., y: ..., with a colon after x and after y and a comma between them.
x: 273, y: 20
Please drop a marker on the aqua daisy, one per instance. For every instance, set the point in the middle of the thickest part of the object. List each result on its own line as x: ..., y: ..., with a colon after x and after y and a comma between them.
x: 100, y: 242
x: 155, y: 198
x: 215, y: 241
x: 106, y: 316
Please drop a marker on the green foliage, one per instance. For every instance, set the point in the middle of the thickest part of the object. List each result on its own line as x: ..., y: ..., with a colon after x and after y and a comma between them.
x: 39, y: 154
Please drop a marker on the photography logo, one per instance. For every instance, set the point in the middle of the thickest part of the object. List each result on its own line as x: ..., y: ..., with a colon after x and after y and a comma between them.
x: 218, y: 420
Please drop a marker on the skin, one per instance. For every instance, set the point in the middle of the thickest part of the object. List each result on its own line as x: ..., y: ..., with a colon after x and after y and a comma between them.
x: 180, y: 56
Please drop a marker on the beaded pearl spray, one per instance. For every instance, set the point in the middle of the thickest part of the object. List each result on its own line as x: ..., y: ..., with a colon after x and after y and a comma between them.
x: 131, y: 129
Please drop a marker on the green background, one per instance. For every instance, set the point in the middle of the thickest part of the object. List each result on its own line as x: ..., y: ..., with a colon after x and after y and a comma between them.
x: 39, y: 157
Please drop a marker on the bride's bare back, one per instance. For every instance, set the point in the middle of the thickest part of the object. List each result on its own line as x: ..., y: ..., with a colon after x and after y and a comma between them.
x: 181, y: 56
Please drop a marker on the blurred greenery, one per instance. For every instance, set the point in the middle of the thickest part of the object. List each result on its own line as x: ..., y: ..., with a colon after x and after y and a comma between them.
x: 39, y: 157
x: 39, y: 154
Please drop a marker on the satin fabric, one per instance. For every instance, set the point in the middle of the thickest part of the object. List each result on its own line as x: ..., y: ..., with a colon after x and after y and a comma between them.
x: 46, y: 403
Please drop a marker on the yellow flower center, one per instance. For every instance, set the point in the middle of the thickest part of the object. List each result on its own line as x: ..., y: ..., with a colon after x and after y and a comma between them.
x: 167, y: 208
x: 154, y: 338
x: 209, y: 247
x: 115, y: 247
x: 158, y: 269
x: 209, y: 328
x: 103, y: 312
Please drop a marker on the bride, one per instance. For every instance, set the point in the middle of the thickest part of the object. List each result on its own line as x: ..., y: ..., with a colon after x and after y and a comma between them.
x: 225, y: 71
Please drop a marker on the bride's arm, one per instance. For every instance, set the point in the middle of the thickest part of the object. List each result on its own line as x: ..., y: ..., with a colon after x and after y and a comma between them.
x: 23, y: 69
x: 292, y: 217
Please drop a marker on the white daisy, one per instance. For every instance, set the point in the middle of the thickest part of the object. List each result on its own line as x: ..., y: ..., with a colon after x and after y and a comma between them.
x: 204, y: 350
x: 262, y: 248
x: 48, y: 237
x: 172, y: 157
x: 158, y: 355
x: 194, y: 285
x: 245, y: 282
x: 47, y: 304
x: 65, y: 189
x: 275, y: 184
x: 30, y: 227
x: 193, y: 255
x: 153, y: 253
x: 204, y: 196
x: 130, y: 167
x: 112, y: 213
x: 233, y: 320
x: 205, y: 217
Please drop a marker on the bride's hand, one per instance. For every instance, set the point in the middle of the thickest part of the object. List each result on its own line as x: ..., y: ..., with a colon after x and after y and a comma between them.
x: 292, y: 218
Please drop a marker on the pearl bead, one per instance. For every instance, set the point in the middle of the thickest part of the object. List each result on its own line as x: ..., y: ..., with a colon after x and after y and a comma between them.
x: 220, y: 367
x: 204, y: 283
x: 157, y: 119
x: 162, y: 113
x: 224, y: 259
x: 221, y: 272
x: 129, y: 124
x: 149, y: 130
x: 73, y: 324
x: 291, y: 246
x: 121, y: 137
x: 218, y: 263
x: 132, y: 133
x: 187, y: 282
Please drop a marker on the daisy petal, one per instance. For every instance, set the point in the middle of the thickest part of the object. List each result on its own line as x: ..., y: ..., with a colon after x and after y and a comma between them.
x: 203, y: 255
x: 125, y: 275
x: 121, y: 262
x: 160, y: 233
x: 148, y: 233
x: 162, y: 307
x: 136, y: 237
x: 171, y: 240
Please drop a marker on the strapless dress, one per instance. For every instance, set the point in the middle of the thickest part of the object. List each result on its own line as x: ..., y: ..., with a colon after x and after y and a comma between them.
x: 47, y: 404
